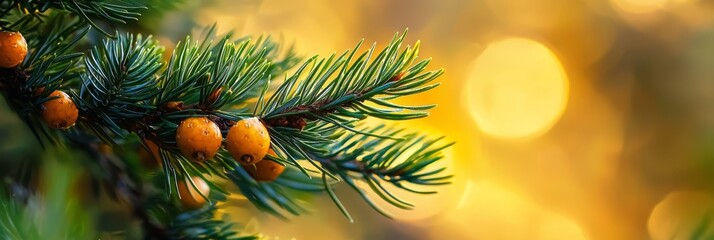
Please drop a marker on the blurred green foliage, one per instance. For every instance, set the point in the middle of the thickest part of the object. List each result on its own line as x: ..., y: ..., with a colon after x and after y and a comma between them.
x: 55, y: 212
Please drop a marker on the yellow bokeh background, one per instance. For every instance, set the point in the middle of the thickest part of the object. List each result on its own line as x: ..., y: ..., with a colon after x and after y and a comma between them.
x: 573, y: 119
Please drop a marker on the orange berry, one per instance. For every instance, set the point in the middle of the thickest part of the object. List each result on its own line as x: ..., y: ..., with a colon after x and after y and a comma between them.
x: 150, y: 158
x: 13, y: 49
x: 198, y: 138
x: 248, y: 141
x: 266, y: 170
x: 59, y: 112
x: 190, y: 198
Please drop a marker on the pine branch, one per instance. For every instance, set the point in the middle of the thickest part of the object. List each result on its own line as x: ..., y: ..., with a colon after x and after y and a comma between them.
x: 215, y: 76
x: 354, y: 158
x: 123, y: 91
x: 337, y: 89
x: 117, y: 11
x: 126, y: 89
x: 51, y: 64
x: 380, y: 161
x: 121, y: 77
x: 298, y: 144
x: 281, y: 60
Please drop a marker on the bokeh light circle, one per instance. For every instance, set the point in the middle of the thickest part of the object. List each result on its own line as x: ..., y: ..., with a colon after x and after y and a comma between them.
x: 517, y: 88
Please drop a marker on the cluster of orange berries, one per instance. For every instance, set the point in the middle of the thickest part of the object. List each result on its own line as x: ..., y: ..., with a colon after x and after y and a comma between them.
x: 199, y: 138
x: 248, y: 142
x: 60, y: 112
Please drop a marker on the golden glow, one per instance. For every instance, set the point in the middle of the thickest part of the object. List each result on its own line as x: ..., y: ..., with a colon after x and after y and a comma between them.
x: 644, y: 6
x: 681, y: 214
x: 517, y: 88
x: 493, y: 212
x: 308, y: 32
x: 467, y: 191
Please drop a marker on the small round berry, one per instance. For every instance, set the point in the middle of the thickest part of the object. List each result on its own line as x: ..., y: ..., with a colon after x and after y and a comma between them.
x: 266, y: 170
x: 150, y: 158
x: 59, y: 112
x: 198, y: 138
x: 248, y: 141
x: 190, y: 198
x: 13, y: 49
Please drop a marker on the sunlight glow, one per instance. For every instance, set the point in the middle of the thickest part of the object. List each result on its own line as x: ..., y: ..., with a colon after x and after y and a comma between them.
x: 517, y: 88
x: 643, y: 6
x: 494, y: 212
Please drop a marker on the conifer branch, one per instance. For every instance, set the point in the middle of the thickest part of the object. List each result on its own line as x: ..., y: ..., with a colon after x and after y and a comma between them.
x: 117, y: 11
x: 52, y: 63
x: 378, y: 161
x: 125, y: 90
x: 337, y: 89
x: 305, y: 113
x: 120, y: 77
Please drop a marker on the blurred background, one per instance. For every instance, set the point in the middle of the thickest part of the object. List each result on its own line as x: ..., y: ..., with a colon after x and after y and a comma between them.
x: 574, y: 119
